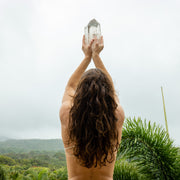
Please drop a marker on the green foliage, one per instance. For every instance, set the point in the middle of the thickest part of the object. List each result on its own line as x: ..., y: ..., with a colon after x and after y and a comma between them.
x: 13, y: 175
x: 35, y: 158
x: 62, y: 173
x: 149, y: 146
x: 2, y: 174
x: 7, y: 160
x: 43, y: 175
x: 35, y: 173
x: 125, y: 170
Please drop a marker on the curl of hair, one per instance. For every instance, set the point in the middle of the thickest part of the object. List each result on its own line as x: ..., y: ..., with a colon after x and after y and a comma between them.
x: 92, y: 120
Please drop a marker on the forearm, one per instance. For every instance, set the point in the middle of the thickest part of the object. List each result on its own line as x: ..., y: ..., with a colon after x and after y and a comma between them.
x: 75, y: 77
x: 99, y: 64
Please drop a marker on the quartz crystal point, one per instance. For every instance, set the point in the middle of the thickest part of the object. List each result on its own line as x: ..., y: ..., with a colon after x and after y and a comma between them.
x: 92, y: 30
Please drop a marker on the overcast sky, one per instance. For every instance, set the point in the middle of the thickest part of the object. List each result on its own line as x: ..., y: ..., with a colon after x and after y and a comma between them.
x: 40, y: 47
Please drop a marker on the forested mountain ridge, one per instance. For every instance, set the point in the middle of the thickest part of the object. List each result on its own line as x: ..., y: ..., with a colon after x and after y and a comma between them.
x: 27, y: 145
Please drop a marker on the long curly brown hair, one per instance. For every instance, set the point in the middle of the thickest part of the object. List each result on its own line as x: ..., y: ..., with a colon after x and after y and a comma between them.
x: 92, y: 120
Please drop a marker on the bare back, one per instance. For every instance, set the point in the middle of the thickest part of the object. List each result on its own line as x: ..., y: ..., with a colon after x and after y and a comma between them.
x: 75, y: 170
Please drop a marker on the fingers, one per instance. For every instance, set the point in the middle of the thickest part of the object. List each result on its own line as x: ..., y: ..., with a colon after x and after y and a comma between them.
x: 99, y: 41
x: 94, y: 42
x: 84, y: 40
x: 91, y: 42
x: 102, y: 40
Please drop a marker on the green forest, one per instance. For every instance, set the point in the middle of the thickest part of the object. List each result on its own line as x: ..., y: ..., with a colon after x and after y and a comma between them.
x: 146, y: 153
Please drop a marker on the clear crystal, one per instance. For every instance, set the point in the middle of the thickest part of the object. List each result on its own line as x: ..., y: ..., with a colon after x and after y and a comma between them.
x: 92, y: 30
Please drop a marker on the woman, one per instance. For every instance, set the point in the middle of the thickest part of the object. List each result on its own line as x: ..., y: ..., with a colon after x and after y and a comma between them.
x: 91, y: 119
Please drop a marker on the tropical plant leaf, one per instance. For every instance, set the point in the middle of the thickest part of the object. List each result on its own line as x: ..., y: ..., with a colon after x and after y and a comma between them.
x: 125, y: 170
x: 150, y: 147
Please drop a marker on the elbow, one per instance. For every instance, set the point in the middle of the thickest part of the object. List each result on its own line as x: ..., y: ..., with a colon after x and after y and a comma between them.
x: 71, y: 86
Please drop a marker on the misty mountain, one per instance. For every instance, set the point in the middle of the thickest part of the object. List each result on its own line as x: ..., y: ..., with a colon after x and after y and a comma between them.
x: 27, y: 145
x: 3, y: 138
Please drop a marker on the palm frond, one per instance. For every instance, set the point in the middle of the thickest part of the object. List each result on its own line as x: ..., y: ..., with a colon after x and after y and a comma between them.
x: 151, y: 148
x: 125, y: 170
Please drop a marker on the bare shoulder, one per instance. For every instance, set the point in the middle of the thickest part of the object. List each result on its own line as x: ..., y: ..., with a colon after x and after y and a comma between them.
x: 120, y: 115
x: 64, y: 112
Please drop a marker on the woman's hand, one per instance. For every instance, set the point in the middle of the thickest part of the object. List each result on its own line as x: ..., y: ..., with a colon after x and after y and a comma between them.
x: 97, y: 46
x: 87, y: 48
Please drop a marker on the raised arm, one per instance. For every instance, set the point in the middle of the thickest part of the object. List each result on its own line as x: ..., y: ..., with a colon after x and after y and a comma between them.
x: 75, y: 77
x: 97, y: 47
